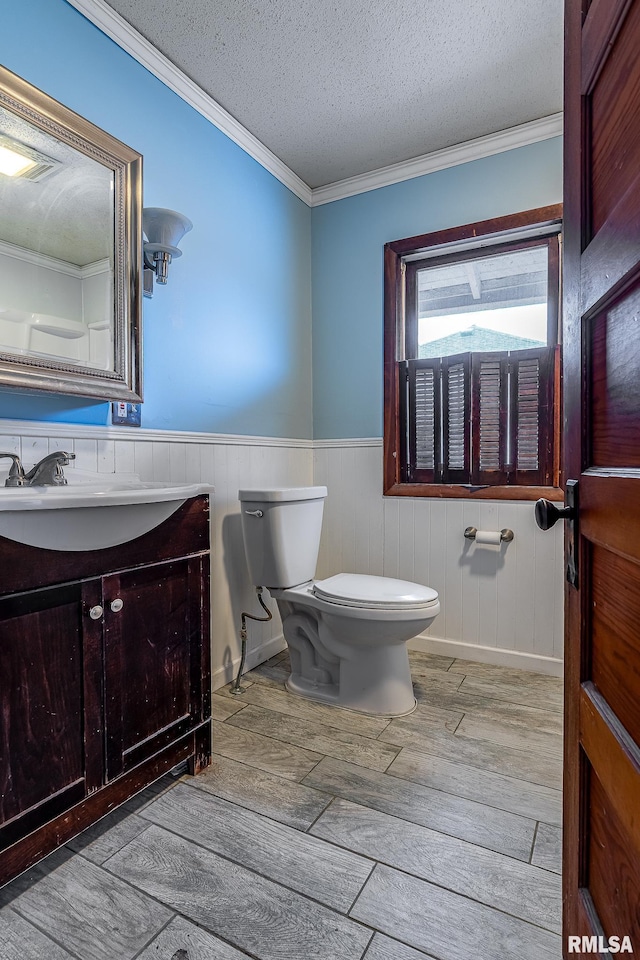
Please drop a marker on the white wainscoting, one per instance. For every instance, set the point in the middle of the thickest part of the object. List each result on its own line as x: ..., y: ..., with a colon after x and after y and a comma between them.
x: 500, y: 605
x: 229, y: 463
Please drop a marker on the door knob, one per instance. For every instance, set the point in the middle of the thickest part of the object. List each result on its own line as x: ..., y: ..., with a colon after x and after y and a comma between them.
x: 96, y: 612
x: 547, y: 513
x: 116, y: 605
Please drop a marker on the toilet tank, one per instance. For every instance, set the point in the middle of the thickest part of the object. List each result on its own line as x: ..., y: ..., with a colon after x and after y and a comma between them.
x: 281, y: 527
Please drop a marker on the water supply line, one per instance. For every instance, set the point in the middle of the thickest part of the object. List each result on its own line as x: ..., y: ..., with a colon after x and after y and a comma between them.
x: 236, y: 688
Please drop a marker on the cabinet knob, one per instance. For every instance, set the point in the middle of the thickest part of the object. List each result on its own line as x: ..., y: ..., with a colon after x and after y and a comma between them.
x: 96, y: 612
x: 117, y: 605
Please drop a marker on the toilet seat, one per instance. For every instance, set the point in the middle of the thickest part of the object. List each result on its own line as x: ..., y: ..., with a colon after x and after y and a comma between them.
x: 364, y: 591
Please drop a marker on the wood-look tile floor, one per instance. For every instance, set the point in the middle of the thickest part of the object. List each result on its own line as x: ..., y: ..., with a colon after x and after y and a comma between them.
x: 321, y: 834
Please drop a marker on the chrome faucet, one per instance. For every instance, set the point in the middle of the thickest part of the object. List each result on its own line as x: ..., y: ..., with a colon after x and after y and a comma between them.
x: 16, y: 476
x: 46, y: 473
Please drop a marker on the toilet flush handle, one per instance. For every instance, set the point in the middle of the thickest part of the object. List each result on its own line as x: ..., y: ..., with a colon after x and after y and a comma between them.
x: 254, y: 513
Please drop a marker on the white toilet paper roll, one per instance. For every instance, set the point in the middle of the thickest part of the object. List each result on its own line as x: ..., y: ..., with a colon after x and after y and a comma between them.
x: 488, y: 536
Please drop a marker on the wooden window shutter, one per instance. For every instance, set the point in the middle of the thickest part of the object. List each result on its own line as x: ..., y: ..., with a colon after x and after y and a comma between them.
x: 439, y: 429
x: 423, y: 378
x: 489, y: 414
x: 456, y: 420
x: 532, y: 415
x: 481, y: 419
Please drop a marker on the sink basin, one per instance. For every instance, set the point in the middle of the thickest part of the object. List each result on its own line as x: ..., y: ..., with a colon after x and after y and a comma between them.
x: 91, y: 512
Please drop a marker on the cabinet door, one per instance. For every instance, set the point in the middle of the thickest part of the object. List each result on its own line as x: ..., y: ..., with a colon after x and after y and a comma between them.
x: 50, y: 692
x: 156, y: 627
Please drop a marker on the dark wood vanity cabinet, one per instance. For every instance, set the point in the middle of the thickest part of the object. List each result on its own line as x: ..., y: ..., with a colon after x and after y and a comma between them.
x: 50, y: 687
x: 104, y: 678
x: 153, y: 685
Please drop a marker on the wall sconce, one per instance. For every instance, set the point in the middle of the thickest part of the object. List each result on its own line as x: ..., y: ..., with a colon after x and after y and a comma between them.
x: 164, y: 229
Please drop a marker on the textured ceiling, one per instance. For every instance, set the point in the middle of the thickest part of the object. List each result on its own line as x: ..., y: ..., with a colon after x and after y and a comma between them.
x: 337, y: 89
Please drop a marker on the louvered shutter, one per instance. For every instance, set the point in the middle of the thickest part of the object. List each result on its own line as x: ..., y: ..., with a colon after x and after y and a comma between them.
x: 480, y: 419
x: 531, y: 421
x: 489, y: 413
x: 423, y: 397
x: 456, y: 420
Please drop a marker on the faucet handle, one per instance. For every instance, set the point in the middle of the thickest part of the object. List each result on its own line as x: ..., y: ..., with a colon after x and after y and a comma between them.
x: 16, y: 476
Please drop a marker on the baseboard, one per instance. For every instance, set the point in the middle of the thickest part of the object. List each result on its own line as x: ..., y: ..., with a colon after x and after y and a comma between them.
x: 256, y: 656
x: 447, y: 648
x: 494, y: 655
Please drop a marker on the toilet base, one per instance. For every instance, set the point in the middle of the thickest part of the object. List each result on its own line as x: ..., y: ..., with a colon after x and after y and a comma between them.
x: 329, y: 693
x: 359, y: 662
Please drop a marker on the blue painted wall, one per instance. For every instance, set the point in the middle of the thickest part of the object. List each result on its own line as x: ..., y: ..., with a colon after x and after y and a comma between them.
x: 347, y: 257
x: 227, y: 344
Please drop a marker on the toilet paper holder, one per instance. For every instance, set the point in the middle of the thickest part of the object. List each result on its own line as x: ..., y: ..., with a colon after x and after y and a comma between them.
x: 506, y: 535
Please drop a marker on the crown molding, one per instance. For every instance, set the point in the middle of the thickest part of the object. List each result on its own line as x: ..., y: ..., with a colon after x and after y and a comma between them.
x: 40, y: 259
x: 52, y: 263
x: 130, y: 40
x: 519, y: 136
x: 95, y: 269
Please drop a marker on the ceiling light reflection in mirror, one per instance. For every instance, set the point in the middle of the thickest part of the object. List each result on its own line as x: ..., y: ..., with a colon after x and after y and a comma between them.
x: 56, y: 249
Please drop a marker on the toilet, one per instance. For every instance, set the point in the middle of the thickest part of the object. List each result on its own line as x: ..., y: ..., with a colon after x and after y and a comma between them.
x: 347, y: 635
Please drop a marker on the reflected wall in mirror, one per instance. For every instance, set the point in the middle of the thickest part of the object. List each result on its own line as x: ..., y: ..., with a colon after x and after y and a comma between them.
x: 70, y: 250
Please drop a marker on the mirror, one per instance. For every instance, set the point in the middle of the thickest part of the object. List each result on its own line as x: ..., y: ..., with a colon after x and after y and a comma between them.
x: 70, y: 250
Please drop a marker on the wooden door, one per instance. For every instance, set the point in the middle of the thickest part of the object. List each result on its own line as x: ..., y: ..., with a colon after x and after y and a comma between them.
x: 602, y: 451
x: 156, y: 647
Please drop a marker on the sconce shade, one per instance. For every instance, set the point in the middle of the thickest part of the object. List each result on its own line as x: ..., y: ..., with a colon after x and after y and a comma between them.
x: 164, y: 230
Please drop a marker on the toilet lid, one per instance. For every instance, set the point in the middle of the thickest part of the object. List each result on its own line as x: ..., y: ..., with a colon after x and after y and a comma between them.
x: 361, y: 590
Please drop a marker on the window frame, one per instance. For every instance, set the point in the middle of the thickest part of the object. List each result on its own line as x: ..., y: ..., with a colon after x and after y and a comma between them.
x: 486, y: 237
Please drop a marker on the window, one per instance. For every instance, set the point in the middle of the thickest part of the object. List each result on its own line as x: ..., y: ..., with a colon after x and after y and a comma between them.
x: 472, y: 359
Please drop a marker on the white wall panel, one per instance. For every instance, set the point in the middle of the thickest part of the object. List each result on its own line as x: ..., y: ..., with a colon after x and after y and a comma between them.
x: 500, y: 604
x: 34, y: 449
x: 86, y: 451
x: 124, y: 458
x: 106, y: 452
x: 228, y: 466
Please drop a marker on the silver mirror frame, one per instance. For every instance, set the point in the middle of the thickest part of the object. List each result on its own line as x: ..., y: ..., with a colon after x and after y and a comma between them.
x: 124, y: 382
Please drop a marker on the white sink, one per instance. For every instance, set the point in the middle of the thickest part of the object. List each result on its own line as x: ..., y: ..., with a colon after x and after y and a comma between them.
x: 91, y: 512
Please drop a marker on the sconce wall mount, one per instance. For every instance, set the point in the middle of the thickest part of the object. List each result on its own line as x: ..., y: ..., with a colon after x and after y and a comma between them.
x: 164, y: 229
